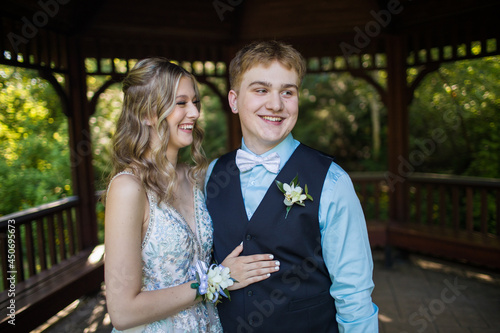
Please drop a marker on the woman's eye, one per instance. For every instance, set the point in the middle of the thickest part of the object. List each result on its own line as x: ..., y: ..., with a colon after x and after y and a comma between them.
x: 196, y: 102
x: 181, y: 103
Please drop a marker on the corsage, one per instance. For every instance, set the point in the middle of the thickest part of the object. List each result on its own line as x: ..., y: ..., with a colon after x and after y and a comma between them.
x: 293, y: 193
x: 212, y: 282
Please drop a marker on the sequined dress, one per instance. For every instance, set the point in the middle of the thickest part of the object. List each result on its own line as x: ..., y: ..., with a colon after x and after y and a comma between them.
x: 169, y: 250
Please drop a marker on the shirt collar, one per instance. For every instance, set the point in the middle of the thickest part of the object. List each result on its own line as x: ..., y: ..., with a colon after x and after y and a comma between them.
x: 284, y: 149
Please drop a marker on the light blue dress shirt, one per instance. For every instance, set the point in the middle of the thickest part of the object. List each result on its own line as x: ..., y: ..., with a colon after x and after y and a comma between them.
x: 344, y: 238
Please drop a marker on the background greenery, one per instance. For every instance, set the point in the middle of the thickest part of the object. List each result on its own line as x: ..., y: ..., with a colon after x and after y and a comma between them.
x: 340, y: 115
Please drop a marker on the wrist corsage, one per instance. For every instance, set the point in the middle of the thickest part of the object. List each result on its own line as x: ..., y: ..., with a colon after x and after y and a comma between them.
x: 293, y: 193
x: 212, y: 282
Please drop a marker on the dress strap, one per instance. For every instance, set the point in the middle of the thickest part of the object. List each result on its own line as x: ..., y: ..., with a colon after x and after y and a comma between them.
x: 118, y: 174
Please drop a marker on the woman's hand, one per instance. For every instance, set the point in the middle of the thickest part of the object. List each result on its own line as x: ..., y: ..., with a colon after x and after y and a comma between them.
x: 249, y: 269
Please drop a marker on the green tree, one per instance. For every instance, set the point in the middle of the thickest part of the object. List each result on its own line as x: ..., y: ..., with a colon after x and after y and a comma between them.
x: 34, y: 164
x: 461, y: 100
x: 341, y: 115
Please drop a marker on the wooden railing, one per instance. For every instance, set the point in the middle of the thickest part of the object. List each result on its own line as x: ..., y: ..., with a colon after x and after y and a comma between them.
x: 451, y: 216
x: 38, y: 238
x: 468, y: 204
x: 372, y: 191
x: 44, y: 267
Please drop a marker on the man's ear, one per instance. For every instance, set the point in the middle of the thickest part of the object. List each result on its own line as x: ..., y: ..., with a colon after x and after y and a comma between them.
x: 233, y: 101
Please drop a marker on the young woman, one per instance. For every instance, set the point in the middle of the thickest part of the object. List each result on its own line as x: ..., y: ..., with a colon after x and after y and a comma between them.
x: 157, y: 226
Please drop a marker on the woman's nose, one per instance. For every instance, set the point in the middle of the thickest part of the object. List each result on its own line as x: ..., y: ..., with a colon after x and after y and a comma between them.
x: 193, y: 111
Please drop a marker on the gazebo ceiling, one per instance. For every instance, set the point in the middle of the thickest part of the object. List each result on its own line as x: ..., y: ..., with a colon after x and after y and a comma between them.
x: 213, y: 29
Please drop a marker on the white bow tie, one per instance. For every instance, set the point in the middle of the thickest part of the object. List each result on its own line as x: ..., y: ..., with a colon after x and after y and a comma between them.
x: 246, y: 161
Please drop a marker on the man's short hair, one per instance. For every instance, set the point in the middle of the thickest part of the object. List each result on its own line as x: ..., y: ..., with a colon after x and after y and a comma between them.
x: 264, y: 53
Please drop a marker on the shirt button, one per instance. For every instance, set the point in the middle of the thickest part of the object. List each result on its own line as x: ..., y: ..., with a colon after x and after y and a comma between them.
x: 252, y: 182
x: 250, y: 293
x: 249, y: 237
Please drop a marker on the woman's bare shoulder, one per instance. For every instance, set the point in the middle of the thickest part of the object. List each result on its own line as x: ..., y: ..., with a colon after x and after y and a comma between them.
x: 126, y: 186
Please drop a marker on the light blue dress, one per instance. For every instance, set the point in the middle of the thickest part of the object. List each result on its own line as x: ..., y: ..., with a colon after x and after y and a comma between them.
x: 169, y: 250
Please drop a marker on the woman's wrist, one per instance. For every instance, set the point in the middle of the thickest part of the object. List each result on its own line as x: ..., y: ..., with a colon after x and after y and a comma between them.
x: 211, y: 282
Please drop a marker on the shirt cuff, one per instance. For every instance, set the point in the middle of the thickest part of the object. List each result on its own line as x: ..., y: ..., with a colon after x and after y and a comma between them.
x: 363, y: 325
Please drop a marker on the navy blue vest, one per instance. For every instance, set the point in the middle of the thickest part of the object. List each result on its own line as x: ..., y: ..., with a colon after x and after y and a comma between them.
x: 297, y: 298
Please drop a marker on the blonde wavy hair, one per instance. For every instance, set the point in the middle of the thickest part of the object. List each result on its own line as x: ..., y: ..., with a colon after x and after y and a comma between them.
x: 149, y: 91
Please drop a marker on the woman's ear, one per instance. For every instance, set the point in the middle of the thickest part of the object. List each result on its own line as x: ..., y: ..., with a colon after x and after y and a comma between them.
x: 233, y: 101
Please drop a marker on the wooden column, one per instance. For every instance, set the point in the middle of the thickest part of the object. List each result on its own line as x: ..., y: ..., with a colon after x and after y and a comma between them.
x: 81, y: 146
x: 398, y: 131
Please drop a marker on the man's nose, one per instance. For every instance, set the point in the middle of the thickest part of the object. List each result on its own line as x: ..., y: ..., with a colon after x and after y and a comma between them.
x: 275, y: 103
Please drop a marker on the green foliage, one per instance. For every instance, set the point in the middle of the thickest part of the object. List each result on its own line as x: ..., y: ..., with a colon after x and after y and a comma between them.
x: 213, y: 120
x: 34, y: 164
x: 461, y: 101
x: 340, y: 115
x: 102, y: 127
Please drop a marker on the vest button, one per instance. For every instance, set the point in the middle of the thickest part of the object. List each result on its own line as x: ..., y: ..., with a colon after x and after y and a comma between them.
x: 249, y: 237
x: 250, y: 293
x: 250, y: 321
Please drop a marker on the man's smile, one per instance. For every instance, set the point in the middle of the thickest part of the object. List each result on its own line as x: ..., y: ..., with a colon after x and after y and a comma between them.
x: 273, y: 119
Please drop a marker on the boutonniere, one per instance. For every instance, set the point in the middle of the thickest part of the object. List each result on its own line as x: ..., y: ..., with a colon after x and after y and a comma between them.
x: 293, y: 193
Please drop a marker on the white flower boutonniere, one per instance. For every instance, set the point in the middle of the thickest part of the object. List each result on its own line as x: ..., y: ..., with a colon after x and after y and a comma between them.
x: 293, y: 193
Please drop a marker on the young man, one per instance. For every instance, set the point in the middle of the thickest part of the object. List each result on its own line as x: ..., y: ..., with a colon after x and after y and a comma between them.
x: 324, y: 282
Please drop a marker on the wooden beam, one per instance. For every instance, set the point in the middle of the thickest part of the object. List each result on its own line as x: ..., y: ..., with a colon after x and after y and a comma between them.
x: 398, y: 131
x: 49, y: 76
x: 81, y: 145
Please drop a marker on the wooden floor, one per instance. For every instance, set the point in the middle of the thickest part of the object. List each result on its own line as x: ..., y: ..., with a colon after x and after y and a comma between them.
x: 417, y: 294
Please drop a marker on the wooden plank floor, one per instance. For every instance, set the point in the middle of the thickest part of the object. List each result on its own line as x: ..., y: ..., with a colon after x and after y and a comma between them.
x: 417, y: 294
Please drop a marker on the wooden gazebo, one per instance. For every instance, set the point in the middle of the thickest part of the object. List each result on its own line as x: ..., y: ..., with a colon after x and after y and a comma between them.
x: 358, y: 36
